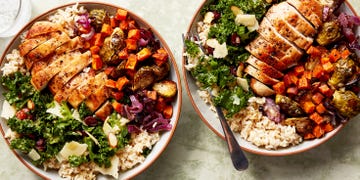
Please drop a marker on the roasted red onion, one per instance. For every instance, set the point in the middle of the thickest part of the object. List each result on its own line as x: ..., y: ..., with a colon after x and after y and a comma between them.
x: 272, y: 111
x: 89, y: 35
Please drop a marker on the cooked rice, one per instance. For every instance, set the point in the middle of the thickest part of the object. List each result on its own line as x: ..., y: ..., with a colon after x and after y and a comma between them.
x: 258, y: 129
x: 131, y: 155
x: 67, y: 18
x: 83, y: 172
x: 14, y: 63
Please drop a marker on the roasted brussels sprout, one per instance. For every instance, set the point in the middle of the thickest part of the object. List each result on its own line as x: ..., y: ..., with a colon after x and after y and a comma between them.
x: 329, y: 33
x: 165, y: 88
x: 289, y: 106
x: 347, y: 103
x: 98, y: 17
x: 143, y: 78
x: 112, y: 44
x: 344, y: 69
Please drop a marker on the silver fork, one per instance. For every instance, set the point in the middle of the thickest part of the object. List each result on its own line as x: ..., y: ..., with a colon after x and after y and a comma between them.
x: 237, y: 155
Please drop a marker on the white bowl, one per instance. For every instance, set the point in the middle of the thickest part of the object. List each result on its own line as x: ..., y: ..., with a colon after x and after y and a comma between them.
x: 209, y: 117
x: 165, y: 138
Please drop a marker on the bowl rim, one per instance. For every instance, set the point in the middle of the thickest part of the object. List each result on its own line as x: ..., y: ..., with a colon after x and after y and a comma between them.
x: 260, y: 151
x: 176, y: 116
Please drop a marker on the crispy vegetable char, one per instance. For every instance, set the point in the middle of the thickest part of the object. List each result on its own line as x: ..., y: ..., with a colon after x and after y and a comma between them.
x: 112, y: 45
x: 347, y: 103
x: 344, y: 69
x: 98, y: 17
x: 289, y: 106
x: 329, y: 33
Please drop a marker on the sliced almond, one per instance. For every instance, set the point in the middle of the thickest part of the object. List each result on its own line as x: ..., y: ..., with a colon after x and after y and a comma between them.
x: 112, y: 140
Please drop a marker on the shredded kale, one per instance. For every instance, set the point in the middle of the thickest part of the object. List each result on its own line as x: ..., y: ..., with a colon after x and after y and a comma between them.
x: 23, y: 144
x: 76, y: 161
x: 19, y: 89
x: 192, y: 48
x: 233, y: 100
x: 84, y: 111
x: 213, y: 72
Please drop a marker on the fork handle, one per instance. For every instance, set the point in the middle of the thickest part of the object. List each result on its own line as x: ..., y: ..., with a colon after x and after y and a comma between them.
x: 238, y: 157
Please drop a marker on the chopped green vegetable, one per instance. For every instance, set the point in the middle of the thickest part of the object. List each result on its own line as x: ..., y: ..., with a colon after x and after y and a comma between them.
x: 192, y: 48
x: 232, y: 100
x: 84, y: 111
x: 76, y: 161
x: 23, y: 144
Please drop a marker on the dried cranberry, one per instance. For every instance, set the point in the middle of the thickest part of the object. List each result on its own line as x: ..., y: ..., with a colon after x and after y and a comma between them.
x: 91, y: 121
x: 217, y: 15
x: 209, y: 50
x: 235, y: 39
x: 40, y: 144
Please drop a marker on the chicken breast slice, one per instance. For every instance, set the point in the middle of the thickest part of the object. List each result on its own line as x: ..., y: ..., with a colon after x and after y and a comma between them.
x: 43, y: 27
x: 290, y: 55
x: 104, y: 111
x: 29, y: 44
x: 289, y: 32
x: 48, y: 47
x: 260, y: 76
x: 75, y: 82
x: 97, y: 98
x: 265, y: 51
x: 310, y: 9
x: 69, y: 71
x: 41, y: 78
x: 265, y: 68
x: 287, y: 12
x: 72, y: 45
x: 79, y: 94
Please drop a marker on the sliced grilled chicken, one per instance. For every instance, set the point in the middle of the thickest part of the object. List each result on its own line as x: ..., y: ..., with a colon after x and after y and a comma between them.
x: 287, y: 12
x: 310, y: 9
x: 88, y: 87
x: 104, y: 111
x: 97, y: 98
x: 38, y: 66
x: 259, y: 75
x: 43, y: 27
x: 290, y: 55
x: 69, y: 71
x: 41, y: 78
x: 29, y: 44
x: 48, y: 47
x: 75, y: 82
x: 265, y: 68
x: 290, y: 33
x: 260, y: 89
x: 266, y: 52
x: 72, y: 45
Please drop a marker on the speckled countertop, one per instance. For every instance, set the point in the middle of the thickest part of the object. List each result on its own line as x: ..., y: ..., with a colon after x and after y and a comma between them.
x: 195, y: 152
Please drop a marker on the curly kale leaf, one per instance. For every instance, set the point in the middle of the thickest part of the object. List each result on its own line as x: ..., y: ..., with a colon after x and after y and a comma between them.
x: 232, y: 100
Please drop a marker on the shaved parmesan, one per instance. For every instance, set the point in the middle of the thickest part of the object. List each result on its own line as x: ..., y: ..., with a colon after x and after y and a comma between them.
x: 209, y: 16
x: 248, y: 20
x: 220, y: 50
x: 72, y: 148
x: 243, y: 83
x: 56, y: 110
x: 8, y: 111
x: 34, y: 155
x: 112, y: 170
x: 245, y: 19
